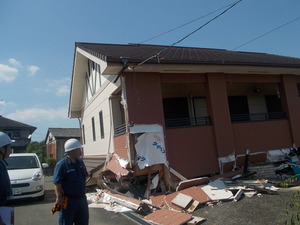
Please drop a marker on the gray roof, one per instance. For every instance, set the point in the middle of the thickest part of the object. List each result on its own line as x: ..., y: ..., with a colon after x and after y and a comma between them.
x: 6, y: 123
x: 65, y: 132
x: 137, y: 53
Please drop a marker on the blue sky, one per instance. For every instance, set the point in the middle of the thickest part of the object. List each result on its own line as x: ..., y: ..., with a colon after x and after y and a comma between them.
x: 38, y: 37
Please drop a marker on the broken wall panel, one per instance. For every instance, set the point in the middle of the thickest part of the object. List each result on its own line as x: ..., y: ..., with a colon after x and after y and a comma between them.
x: 193, y: 182
x: 195, y: 192
x: 253, y: 158
x: 115, y: 166
x: 168, y: 217
x: 163, y: 200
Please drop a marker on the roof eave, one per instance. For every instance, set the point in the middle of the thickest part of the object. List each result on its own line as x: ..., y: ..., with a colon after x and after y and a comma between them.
x: 114, y: 68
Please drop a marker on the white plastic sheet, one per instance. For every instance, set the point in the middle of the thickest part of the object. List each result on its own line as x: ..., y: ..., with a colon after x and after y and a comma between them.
x: 150, y: 149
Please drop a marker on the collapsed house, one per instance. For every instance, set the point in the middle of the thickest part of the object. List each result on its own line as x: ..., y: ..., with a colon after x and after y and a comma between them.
x: 166, y: 114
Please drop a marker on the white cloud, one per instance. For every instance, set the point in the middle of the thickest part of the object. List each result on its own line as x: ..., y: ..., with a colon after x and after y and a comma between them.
x: 43, y: 119
x: 61, y: 87
x: 63, y: 90
x: 7, y: 73
x: 39, y: 114
x: 32, y: 70
x: 15, y: 63
x: 2, y: 105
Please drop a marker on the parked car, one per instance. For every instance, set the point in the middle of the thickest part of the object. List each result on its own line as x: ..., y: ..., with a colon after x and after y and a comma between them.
x: 26, y: 175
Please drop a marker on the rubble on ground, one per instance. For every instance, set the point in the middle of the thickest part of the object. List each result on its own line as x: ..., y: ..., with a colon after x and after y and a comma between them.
x: 179, y: 205
x: 155, y: 203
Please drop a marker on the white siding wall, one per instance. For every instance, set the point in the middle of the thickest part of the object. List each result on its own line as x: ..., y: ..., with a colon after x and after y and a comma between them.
x: 99, y: 102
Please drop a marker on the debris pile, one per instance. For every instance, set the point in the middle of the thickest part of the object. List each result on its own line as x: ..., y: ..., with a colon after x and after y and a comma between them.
x: 147, y: 187
x: 177, y: 207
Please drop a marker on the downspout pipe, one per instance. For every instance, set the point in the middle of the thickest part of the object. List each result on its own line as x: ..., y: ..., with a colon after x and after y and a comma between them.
x: 125, y: 61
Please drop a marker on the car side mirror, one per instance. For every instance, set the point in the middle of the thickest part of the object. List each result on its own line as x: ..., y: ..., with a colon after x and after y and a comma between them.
x: 45, y: 165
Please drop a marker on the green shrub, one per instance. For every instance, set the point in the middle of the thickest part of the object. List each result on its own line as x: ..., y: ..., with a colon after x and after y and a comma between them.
x: 51, y: 162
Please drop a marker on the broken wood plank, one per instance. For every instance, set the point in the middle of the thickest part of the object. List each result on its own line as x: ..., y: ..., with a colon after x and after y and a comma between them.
x: 177, y: 174
x: 261, y: 189
x: 238, y: 195
x: 193, y: 206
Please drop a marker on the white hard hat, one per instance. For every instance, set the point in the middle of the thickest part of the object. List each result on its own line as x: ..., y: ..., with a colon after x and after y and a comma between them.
x: 4, y: 139
x: 72, y: 144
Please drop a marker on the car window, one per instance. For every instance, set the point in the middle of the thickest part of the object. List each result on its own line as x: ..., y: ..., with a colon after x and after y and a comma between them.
x: 21, y: 162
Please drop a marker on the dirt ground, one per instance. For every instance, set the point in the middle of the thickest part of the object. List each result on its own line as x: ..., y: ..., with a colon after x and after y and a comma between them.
x: 261, y: 209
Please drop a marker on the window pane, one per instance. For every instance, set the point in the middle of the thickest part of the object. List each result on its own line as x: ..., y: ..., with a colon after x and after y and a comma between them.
x: 101, y: 124
x: 93, y: 127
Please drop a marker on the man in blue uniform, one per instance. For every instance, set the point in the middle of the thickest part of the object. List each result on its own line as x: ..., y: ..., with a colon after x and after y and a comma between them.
x: 70, y: 183
x: 5, y: 188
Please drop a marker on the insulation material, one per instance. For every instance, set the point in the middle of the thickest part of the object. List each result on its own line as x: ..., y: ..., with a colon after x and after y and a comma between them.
x: 150, y: 148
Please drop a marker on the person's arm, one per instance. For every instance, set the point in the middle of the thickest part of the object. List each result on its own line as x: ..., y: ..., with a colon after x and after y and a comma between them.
x: 58, y: 193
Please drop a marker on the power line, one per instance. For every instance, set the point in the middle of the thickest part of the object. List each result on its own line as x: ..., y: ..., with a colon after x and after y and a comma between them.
x: 185, y: 24
x: 277, y: 28
x: 206, y: 23
x: 185, y: 37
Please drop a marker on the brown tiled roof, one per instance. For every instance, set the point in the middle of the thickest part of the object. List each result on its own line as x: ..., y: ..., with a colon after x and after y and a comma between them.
x: 65, y: 132
x: 137, y: 53
x: 6, y: 123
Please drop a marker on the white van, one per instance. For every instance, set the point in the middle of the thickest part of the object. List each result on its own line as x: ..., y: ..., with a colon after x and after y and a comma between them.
x: 26, y: 175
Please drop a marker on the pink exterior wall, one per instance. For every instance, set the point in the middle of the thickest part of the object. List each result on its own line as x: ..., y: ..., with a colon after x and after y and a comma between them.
x: 191, y: 151
x: 144, y: 99
x: 261, y: 136
x: 293, y: 105
x: 194, y: 151
x: 219, y: 111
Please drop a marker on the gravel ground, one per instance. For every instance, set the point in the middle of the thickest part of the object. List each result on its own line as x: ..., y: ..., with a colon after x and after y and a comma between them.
x: 261, y: 209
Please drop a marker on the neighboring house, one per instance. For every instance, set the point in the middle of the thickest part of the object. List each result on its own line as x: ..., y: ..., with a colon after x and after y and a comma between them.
x: 17, y: 131
x: 198, y: 109
x: 56, y: 138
